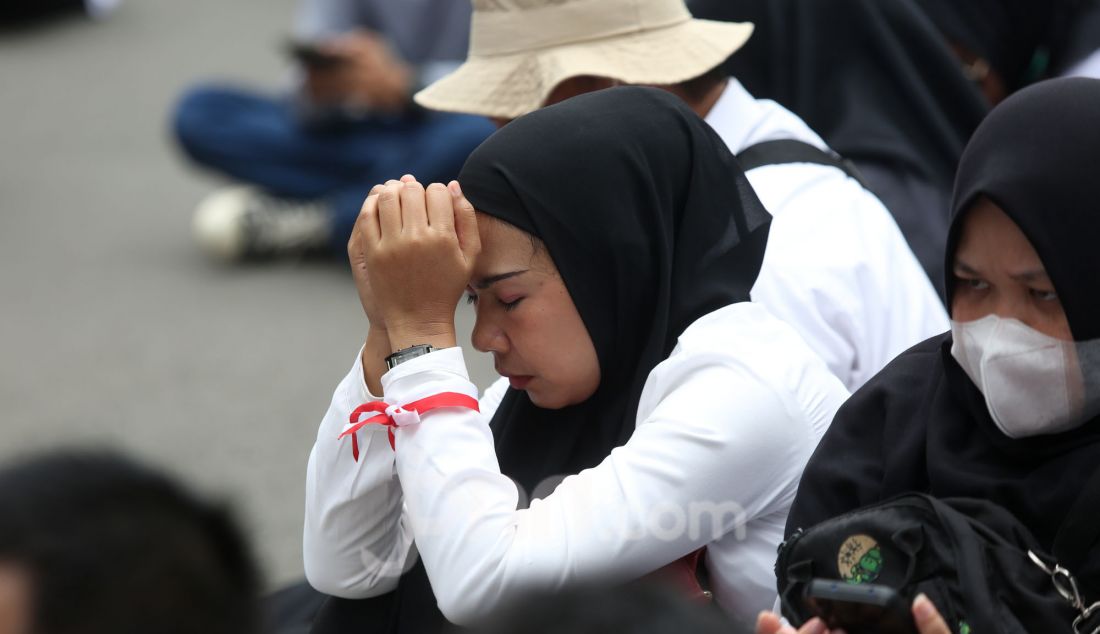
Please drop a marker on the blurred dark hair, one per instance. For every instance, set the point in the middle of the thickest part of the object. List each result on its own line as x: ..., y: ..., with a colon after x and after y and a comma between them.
x: 112, y: 547
x: 637, y: 608
x: 696, y: 88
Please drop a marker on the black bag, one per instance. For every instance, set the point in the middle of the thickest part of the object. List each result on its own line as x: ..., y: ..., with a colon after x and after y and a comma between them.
x: 979, y: 565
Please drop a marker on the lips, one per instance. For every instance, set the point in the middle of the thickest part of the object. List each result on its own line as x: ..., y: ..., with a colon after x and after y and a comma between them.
x: 519, y: 382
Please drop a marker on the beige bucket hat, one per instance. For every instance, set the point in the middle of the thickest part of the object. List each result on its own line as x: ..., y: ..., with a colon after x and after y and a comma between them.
x: 521, y: 49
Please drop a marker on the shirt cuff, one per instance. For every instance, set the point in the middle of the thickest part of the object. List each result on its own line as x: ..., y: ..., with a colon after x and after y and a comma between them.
x: 436, y: 372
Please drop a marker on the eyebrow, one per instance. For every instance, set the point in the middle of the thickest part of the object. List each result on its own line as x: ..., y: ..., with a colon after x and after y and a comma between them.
x: 486, y: 282
x: 1031, y: 276
x: 964, y: 267
x: 1026, y: 276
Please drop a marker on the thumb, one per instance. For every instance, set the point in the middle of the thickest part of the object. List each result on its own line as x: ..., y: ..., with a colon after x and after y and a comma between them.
x: 928, y: 619
x: 465, y: 223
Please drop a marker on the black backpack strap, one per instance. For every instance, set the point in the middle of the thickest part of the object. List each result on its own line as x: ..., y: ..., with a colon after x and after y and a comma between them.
x: 1080, y: 529
x: 785, y: 151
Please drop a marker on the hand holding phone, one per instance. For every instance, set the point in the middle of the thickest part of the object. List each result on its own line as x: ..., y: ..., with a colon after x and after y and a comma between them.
x: 314, y: 56
x: 357, y: 68
x: 859, y: 608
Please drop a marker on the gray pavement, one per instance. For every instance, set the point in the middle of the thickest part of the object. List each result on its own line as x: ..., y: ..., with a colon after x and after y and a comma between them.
x: 114, y: 330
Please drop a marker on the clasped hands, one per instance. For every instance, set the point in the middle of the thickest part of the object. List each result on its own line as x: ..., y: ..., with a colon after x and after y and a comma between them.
x: 412, y: 252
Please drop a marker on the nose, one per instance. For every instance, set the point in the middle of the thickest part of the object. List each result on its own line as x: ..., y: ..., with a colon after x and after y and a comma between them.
x: 1016, y: 305
x: 487, y: 335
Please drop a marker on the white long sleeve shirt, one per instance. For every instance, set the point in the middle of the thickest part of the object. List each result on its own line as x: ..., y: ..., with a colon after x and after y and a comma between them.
x: 837, y: 267
x: 725, y: 426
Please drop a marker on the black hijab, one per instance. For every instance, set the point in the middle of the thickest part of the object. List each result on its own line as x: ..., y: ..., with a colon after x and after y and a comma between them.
x: 921, y: 424
x: 1038, y: 157
x: 877, y: 81
x: 651, y: 224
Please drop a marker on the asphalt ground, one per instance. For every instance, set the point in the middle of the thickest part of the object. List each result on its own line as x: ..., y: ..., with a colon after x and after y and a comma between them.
x: 115, y: 331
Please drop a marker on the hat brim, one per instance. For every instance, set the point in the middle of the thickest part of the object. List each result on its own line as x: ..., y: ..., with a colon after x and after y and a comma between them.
x: 508, y: 86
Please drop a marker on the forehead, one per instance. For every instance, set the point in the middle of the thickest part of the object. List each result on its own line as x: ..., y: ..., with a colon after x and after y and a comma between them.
x: 990, y: 234
x: 504, y: 247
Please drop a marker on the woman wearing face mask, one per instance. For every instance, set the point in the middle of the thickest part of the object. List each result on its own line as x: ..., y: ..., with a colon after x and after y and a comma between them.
x: 1004, y: 407
x: 618, y: 243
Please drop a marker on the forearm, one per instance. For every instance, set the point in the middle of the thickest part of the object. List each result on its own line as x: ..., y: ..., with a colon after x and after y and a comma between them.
x: 354, y: 542
x: 381, y: 343
x: 605, y: 523
x: 373, y: 359
x: 437, y: 335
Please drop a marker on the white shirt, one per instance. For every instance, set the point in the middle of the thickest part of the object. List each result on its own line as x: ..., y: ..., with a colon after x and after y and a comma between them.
x: 1088, y: 67
x: 725, y: 427
x: 837, y: 267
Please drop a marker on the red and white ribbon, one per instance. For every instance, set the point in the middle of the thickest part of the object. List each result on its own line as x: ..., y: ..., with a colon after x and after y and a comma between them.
x: 393, y: 416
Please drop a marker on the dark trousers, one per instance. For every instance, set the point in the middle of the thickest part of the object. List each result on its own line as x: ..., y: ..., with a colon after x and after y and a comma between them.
x: 263, y: 141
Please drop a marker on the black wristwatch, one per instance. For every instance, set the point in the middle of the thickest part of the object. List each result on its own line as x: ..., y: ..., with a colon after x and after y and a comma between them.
x: 405, y: 354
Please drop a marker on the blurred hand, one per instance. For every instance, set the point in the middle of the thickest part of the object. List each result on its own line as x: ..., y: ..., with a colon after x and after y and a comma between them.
x: 372, y: 75
x: 418, y: 248
x: 926, y: 616
x: 769, y: 623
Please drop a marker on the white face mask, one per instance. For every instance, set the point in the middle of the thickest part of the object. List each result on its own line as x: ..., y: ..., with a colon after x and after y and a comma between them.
x: 1033, y: 384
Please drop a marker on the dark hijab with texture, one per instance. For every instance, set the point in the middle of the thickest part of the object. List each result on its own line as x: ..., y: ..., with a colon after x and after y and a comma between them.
x: 651, y: 224
x: 921, y: 424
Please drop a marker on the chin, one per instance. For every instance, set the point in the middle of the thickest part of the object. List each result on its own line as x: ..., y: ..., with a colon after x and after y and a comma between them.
x: 548, y: 401
x: 539, y: 399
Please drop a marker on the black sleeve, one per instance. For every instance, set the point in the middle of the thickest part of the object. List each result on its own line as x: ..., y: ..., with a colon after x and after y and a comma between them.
x: 881, y: 426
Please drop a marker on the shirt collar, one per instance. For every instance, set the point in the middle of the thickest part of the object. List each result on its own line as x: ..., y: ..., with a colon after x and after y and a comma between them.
x: 742, y: 120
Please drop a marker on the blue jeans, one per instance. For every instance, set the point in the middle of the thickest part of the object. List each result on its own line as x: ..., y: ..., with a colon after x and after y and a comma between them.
x: 261, y: 140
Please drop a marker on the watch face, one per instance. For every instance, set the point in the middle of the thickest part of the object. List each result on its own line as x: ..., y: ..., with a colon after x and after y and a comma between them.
x: 412, y: 352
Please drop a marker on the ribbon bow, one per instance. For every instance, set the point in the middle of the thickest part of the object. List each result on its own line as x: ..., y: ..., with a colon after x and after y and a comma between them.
x: 393, y: 416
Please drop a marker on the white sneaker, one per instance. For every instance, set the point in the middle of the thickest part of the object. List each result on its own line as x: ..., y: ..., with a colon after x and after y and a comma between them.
x: 242, y: 222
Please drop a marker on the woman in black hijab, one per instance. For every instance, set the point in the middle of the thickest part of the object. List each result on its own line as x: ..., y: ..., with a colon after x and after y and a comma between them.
x: 1005, y: 407
x: 618, y: 243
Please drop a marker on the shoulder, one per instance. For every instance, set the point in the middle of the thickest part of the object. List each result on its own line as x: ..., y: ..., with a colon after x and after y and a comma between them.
x: 882, y: 427
x: 492, y: 397
x: 900, y: 390
x: 915, y: 368
x: 750, y: 366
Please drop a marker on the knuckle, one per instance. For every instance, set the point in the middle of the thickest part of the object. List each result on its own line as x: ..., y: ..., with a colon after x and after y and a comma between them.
x: 383, y: 257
